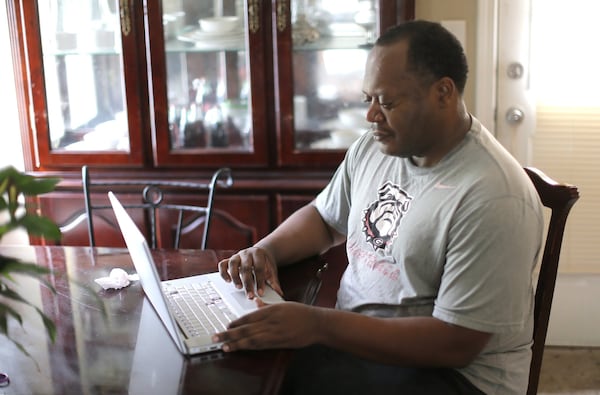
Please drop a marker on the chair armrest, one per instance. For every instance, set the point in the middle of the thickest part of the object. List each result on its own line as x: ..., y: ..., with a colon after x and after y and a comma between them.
x: 302, y: 281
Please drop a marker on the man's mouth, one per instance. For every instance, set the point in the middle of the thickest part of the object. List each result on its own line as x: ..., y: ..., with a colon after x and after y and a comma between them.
x: 379, y: 135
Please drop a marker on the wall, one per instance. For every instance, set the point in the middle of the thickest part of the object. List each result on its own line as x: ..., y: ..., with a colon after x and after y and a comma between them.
x: 455, y: 11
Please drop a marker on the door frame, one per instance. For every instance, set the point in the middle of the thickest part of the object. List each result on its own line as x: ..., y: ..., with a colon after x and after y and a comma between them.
x: 486, y: 63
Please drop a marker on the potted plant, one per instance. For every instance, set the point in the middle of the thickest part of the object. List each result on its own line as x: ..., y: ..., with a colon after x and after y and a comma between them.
x: 14, y: 187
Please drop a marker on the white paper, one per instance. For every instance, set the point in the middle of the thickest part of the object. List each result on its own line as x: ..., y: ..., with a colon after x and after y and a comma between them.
x: 117, y: 279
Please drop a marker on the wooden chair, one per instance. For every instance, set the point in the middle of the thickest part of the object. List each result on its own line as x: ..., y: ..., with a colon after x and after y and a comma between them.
x: 150, y: 197
x: 559, y: 198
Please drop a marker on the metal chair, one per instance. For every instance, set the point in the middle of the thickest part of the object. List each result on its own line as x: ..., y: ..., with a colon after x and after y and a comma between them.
x: 152, y: 200
x: 559, y: 198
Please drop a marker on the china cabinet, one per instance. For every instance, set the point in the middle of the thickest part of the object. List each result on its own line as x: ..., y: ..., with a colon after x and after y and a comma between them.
x: 173, y: 89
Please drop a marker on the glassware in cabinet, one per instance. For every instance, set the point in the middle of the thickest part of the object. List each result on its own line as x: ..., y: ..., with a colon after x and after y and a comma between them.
x: 323, y: 48
x: 203, y: 82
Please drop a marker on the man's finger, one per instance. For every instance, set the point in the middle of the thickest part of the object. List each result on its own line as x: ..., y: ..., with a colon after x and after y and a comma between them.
x: 248, y: 280
x: 234, y: 265
x: 223, y: 267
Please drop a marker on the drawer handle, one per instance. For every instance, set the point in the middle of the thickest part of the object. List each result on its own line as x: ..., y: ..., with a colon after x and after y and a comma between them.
x: 254, y: 15
x: 125, y: 17
x: 282, y: 12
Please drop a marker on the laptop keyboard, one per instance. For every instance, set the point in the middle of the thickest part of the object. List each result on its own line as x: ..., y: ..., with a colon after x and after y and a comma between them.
x: 198, y: 308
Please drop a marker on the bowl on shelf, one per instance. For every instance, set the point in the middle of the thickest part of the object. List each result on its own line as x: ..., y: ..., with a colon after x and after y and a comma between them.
x: 219, y: 24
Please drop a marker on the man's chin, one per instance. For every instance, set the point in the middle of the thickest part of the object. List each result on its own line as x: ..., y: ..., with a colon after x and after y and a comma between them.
x: 391, y: 150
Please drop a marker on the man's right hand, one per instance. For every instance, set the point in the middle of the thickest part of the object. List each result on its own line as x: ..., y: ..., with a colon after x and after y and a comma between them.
x: 251, y: 269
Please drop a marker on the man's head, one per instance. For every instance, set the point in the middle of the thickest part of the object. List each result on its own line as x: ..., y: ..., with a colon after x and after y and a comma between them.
x: 414, y: 79
x: 433, y: 52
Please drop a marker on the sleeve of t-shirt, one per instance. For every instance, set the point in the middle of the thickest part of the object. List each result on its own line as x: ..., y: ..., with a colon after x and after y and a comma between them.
x: 334, y: 201
x: 486, y: 283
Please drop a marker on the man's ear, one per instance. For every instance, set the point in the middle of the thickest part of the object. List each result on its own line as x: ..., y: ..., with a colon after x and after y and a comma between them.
x: 445, y: 90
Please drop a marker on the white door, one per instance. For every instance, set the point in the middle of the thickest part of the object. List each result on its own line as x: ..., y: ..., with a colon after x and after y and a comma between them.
x: 515, y: 107
x: 557, y: 42
x: 548, y: 110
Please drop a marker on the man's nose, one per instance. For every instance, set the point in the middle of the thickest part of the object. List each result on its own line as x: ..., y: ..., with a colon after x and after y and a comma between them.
x: 374, y: 112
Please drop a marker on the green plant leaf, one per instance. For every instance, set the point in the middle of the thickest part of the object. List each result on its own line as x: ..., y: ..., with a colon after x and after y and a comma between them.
x: 11, y: 294
x: 27, y: 184
x: 9, y: 266
x: 13, y: 265
x: 5, y: 311
x: 37, y: 186
x: 13, y: 185
x: 7, y: 173
x: 40, y: 226
x: 6, y: 228
x: 4, y: 320
x: 48, y: 324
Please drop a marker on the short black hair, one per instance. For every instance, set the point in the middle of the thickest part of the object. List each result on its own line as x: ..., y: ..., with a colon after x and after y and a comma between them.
x: 433, y: 52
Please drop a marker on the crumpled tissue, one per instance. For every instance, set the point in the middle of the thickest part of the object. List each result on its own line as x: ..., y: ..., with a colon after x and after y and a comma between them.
x: 117, y: 279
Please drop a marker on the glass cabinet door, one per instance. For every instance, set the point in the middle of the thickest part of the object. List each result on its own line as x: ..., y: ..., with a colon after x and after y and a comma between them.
x: 203, y: 82
x: 84, y: 110
x: 322, y: 111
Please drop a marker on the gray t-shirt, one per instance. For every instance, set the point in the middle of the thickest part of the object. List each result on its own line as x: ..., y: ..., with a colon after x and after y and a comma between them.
x: 458, y: 241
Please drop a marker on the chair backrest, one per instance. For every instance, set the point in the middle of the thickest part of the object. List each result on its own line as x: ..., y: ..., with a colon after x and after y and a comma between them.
x: 152, y: 200
x: 559, y: 198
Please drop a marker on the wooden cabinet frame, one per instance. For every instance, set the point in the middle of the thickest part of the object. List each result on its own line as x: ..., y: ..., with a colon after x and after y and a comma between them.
x: 274, y: 167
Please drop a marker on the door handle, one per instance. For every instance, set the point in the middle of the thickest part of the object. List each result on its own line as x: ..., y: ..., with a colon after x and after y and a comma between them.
x: 514, y: 115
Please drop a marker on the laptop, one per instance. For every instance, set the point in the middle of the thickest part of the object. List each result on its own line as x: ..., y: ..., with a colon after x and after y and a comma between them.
x: 220, y: 301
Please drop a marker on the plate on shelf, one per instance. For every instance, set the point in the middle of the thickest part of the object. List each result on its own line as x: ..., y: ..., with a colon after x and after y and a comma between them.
x: 345, y: 29
x: 213, y: 40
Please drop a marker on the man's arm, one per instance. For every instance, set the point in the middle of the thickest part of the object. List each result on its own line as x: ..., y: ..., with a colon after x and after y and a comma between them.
x: 413, y: 341
x: 301, y: 235
x: 404, y: 341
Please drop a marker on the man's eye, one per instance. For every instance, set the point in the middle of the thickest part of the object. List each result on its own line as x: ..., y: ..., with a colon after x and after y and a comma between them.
x: 386, y: 105
x: 367, y: 99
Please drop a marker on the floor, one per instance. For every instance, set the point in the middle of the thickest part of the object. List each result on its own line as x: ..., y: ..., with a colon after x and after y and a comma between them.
x: 570, y: 371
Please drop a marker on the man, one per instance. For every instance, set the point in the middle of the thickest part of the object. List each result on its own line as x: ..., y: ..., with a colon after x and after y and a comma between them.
x: 443, y: 229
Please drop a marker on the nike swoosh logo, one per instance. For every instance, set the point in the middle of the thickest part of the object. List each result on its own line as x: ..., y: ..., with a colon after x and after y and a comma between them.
x: 439, y: 185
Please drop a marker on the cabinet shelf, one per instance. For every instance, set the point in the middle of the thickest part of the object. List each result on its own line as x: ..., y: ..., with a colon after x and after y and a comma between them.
x: 325, y: 43
x: 83, y: 51
x: 332, y: 43
x: 175, y: 46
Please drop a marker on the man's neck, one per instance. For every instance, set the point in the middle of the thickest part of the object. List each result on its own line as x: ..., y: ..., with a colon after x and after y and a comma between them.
x: 454, y: 137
